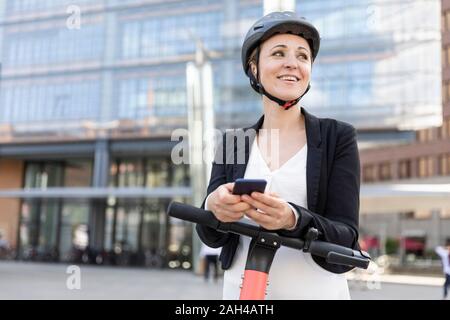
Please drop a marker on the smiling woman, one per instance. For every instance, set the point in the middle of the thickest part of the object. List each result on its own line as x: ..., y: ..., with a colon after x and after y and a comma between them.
x: 311, y: 166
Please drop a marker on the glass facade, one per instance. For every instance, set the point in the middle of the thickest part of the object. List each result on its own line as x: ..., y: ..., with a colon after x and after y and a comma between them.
x: 144, y: 96
x: 40, y: 101
x: 74, y: 235
x: 50, y: 228
x: 378, y: 67
x: 143, y: 38
x: 128, y: 62
x: 149, y: 172
x: 117, y: 65
x: 136, y: 231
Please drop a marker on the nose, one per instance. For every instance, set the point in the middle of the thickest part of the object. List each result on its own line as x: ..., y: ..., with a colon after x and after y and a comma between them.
x: 290, y: 61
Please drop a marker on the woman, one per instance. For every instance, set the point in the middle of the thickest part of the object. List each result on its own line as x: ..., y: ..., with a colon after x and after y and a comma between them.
x: 312, y: 169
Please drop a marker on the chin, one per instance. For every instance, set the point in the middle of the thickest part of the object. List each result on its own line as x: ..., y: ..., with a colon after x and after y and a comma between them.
x: 287, y: 95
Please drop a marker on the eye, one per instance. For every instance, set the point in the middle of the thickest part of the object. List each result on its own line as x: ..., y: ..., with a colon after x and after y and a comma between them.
x: 278, y: 54
x: 303, y: 56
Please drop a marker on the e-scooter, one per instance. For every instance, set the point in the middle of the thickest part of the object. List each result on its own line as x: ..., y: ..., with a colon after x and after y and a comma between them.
x: 265, y: 244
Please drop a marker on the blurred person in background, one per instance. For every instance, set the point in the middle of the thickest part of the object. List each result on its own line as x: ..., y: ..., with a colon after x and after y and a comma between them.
x: 210, y: 257
x: 312, y: 169
x: 444, y: 253
x: 4, y: 246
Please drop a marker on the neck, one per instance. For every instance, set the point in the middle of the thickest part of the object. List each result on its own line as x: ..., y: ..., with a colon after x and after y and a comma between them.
x: 286, y: 121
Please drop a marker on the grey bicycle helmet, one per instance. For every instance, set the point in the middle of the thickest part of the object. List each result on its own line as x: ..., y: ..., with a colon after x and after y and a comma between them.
x: 269, y: 25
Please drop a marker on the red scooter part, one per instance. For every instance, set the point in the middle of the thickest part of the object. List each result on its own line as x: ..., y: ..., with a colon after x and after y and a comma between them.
x: 254, y: 285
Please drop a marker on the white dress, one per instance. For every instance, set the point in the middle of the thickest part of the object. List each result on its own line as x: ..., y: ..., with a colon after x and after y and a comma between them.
x: 294, y: 274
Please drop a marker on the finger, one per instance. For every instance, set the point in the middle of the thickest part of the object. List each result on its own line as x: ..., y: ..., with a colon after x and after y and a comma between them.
x: 258, y: 217
x: 227, y: 198
x: 239, y: 207
x: 259, y: 205
x: 266, y: 199
x: 229, y: 216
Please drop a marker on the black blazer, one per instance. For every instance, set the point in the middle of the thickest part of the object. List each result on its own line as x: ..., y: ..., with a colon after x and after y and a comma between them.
x: 333, y: 181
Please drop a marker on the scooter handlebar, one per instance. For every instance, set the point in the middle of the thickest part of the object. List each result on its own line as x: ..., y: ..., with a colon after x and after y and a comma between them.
x: 193, y: 214
x: 333, y: 253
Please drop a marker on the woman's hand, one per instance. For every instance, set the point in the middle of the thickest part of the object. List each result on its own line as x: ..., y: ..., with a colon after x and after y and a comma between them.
x: 275, y: 213
x: 226, y: 206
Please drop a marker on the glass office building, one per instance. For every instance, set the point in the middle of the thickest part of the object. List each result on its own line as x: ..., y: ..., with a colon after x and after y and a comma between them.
x: 380, y: 64
x: 90, y: 92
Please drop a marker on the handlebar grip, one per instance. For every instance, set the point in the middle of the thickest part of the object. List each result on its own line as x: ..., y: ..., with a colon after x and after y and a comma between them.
x: 190, y: 213
x: 337, y: 258
x: 321, y: 249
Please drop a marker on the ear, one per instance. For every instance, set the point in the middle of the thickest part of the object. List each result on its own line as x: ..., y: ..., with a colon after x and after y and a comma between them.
x: 254, y: 69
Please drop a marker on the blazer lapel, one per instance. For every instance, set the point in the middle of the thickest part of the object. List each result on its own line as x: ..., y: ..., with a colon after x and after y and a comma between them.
x: 239, y: 169
x: 314, y: 157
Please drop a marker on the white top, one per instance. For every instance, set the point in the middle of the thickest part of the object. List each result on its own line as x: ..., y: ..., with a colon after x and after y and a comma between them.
x: 206, y: 250
x: 294, y: 274
x: 444, y: 254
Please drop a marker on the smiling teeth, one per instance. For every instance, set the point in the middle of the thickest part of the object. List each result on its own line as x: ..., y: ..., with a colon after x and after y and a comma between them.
x: 288, y: 78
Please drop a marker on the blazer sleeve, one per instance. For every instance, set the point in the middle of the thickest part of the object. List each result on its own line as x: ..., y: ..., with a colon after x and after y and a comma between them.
x: 339, y: 222
x: 209, y: 236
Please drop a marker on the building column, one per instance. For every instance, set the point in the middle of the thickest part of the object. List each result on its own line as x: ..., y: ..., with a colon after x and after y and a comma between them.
x: 98, y: 206
x: 11, y: 173
x: 107, y: 109
x: 435, y: 234
x: 2, y: 14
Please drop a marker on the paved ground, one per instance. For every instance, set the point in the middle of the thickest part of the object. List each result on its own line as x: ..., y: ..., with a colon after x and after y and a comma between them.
x: 20, y: 280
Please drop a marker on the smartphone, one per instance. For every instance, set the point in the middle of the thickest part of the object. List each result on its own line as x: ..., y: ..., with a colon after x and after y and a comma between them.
x: 247, y: 186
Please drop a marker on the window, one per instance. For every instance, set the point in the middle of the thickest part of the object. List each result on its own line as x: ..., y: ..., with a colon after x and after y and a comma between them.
x: 144, y: 39
x: 426, y: 135
x: 447, y: 48
x: 50, y: 46
x: 422, y: 214
x: 369, y: 173
x: 444, y: 164
x: 77, y: 173
x: 447, y: 20
x: 385, y: 171
x: 444, y: 129
x: 404, y: 169
x: 43, y: 174
x: 445, y: 213
x: 180, y: 176
x: 130, y: 173
x: 407, y: 215
x: 157, y: 171
x: 145, y: 97
x: 426, y: 167
x: 35, y: 102
x: 74, y: 229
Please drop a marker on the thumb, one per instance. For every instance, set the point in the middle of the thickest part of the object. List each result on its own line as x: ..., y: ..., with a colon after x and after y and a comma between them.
x: 229, y: 186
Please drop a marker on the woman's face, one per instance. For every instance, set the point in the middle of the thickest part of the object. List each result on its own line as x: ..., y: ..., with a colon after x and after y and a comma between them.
x: 285, y: 66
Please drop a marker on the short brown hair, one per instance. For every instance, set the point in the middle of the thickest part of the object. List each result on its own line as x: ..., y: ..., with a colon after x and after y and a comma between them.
x: 253, y: 58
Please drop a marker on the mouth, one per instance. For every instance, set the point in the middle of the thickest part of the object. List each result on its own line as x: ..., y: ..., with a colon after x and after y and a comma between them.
x: 288, y: 78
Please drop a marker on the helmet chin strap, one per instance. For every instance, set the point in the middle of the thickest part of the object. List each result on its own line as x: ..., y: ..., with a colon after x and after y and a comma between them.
x: 286, y: 105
